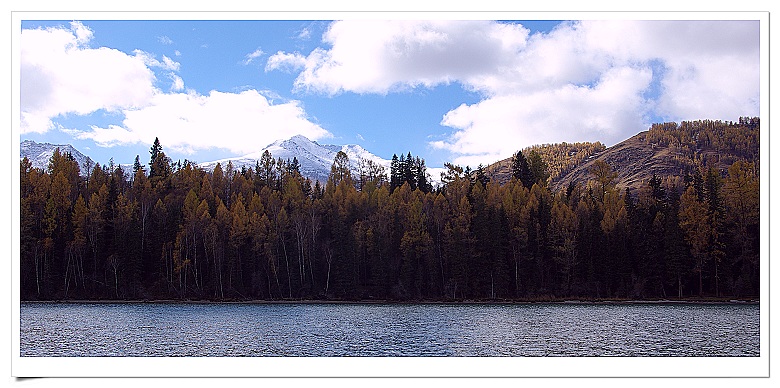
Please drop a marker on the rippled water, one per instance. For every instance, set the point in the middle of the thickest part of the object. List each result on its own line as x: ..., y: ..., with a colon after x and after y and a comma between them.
x: 51, y: 329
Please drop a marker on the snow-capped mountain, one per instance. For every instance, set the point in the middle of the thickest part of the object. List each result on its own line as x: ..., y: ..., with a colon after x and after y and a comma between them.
x: 315, y: 159
x: 39, y: 154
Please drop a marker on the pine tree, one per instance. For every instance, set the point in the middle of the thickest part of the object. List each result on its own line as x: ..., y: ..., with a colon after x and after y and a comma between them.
x: 408, y: 171
x: 421, y: 177
x: 294, y: 167
x: 538, y: 168
x: 155, y: 151
x: 395, y: 173
x: 159, y: 165
x: 137, y: 166
x: 521, y: 170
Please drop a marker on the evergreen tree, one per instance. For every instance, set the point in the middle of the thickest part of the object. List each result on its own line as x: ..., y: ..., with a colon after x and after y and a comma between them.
x: 480, y: 176
x: 538, y: 168
x: 421, y: 176
x: 155, y: 151
x: 409, y: 171
x: 395, y: 173
x: 521, y: 170
x: 137, y: 166
x: 294, y: 167
x: 159, y: 165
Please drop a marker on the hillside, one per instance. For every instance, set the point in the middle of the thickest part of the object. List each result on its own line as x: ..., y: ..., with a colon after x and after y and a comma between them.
x: 560, y: 158
x: 668, y: 149
x: 634, y: 160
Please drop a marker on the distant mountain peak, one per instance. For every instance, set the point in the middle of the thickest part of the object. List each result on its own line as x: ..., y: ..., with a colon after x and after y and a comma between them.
x: 39, y: 154
x: 315, y: 159
x: 301, y: 138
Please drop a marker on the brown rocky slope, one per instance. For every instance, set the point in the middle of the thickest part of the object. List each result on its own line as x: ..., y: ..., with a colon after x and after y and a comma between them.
x: 666, y: 150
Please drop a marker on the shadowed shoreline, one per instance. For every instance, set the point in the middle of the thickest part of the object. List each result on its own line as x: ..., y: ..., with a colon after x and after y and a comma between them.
x: 439, y: 302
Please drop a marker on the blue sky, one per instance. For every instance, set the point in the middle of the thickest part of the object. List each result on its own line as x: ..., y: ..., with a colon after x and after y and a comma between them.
x: 468, y: 91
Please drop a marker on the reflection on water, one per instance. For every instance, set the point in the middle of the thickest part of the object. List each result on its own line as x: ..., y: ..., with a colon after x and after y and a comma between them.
x: 328, y: 330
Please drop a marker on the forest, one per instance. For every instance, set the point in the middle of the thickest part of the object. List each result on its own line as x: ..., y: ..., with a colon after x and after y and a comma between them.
x: 173, y: 231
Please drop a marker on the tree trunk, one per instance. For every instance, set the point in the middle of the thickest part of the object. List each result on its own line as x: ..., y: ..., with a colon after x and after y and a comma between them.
x: 287, y: 265
x: 37, y: 275
x: 329, y: 259
x: 67, y: 268
x: 679, y: 286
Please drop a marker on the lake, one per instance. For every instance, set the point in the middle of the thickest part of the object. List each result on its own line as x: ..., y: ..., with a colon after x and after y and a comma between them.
x: 394, y: 330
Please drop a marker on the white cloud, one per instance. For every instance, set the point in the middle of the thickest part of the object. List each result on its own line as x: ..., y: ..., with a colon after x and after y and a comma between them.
x: 722, y: 88
x: 496, y: 127
x: 187, y: 122
x: 252, y: 56
x: 164, y: 40
x: 60, y: 74
x: 170, y: 64
x: 108, y: 137
x: 177, y: 84
x: 582, y: 81
x: 286, y: 62
x: 177, y: 53
x: 83, y: 33
x: 383, y: 56
x: 149, y: 60
x: 711, y: 68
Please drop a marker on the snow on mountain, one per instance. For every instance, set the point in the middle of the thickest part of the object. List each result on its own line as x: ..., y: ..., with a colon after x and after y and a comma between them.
x: 315, y: 159
x: 39, y: 154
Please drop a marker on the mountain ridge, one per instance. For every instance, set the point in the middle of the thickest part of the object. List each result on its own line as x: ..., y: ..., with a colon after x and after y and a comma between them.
x: 39, y: 154
x: 315, y: 159
x: 665, y: 150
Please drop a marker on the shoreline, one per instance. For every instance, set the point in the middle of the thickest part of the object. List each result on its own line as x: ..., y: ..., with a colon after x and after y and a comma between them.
x: 744, y: 301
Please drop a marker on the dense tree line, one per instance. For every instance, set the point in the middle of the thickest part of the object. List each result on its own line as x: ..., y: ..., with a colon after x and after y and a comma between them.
x: 176, y: 231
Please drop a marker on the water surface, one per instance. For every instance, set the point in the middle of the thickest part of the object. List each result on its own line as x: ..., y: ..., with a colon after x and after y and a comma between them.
x: 328, y: 330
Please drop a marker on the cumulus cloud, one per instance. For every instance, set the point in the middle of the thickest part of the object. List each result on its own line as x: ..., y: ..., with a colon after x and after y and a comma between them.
x: 383, y: 56
x: 285, y: 62
x: 494, y: 128
x: 177, y: 84
x: 60, y: 74
x: 582, y: 81
x: 83, y: 33
x: 188, y: 122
